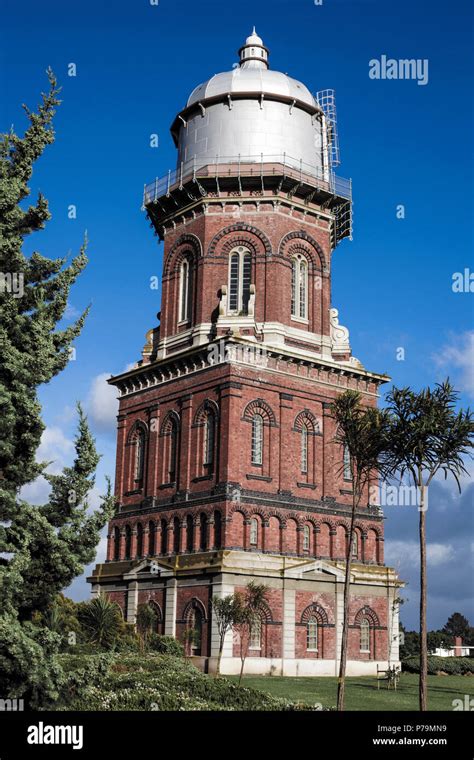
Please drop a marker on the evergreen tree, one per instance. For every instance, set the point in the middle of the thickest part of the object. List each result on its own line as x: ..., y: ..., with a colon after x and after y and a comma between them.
x: 42, y: 549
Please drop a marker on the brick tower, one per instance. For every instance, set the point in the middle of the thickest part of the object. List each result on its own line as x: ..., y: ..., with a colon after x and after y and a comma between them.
x: 227, y: 469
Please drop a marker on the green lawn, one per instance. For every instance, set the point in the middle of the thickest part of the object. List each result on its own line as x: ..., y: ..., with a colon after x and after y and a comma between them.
x: 362, y: 693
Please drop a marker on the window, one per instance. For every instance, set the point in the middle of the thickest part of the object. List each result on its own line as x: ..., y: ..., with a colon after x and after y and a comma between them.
x: 239, y: 280
x: 355, y: 545
x: 304, y: 448
x: 173, y: 451
x: 256, y: 634
x: 116, y: 544
x: 128, y: 542
x: 306, y: 538
x: 164, y: 537
x: 347, y: 464
x: 151, y: 538
x: 312, y: 634
x: 299, y: 287
x: 208, y: 440
x: 217, y: 530
x: 185, y: 290
x: 253, y: 532
x: 257, y: 439
x: 139, y: 455
x: 189, y: 534
x: 176, y: 535
x: 364, y: 635
x: 203, y: 533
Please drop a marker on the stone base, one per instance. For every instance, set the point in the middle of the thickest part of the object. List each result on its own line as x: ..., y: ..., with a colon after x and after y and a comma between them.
x: 266, y: 666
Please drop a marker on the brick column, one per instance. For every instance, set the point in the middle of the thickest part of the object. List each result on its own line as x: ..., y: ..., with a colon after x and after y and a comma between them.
x: 229, y: 422
x: 182, y: 536
x: 327, y: 454
x: 185, y: 443
x: 120, y: 483
x: 287, y: 476
x: 122, y: 544
x: 133, y: 544
x: 152, y: 470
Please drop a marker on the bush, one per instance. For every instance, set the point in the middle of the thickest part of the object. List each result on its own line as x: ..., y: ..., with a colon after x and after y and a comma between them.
x: 453, y: 666
x: 158, y: 682
x: 165, y: 645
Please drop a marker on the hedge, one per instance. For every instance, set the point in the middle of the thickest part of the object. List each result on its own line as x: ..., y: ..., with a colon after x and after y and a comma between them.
x: 453, y: 666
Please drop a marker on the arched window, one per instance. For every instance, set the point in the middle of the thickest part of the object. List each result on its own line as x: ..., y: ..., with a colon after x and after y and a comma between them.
x: 164, y: 537
x: 139, y: 454
x: 312, y: 634
x: 116, y: 544
x: 195, y: 622
x: 151, y: 538
x: 255, y: 641
x: 209, y: 438
x: 128, y: 541
x: 304, y: 448
x: 257, y: 439
x: 176, y: 535
x: 217, y: 530
x: 139, y: 540
x: 240, y: 267
x: 355, y: 545
x: 203, y: 533
x: 185, y: 290
x: 173, y: 451
x: 347, y: 464
x: 189, y: 534
x: 253, y: 531
x: 364, y: 635
x: 299, y: 287
x: 306, y: 538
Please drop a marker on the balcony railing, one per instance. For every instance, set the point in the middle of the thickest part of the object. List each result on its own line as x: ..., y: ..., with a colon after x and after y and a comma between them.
x: 247, y: 166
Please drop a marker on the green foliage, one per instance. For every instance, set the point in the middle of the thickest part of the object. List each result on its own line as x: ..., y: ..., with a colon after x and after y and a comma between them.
x: 456, y: 666
x: 102, y: 622
x: 165, y: 645
x: 161, y: 683
x: 42, y: 548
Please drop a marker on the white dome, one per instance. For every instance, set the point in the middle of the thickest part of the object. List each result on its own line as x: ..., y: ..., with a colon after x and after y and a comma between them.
x: 253, y: 81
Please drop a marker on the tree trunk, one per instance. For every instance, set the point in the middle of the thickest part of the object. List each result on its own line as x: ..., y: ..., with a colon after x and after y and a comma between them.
x: 219, y: 657
x: 241, y: 670
x: 423, y: 694
x: 345, y: 625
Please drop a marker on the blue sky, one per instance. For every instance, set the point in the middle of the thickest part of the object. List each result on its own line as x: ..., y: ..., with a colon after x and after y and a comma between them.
x: 401, y: 143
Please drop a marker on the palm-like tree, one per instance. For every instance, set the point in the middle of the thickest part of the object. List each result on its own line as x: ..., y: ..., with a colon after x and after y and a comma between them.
x: 364, y: 431
x: 101, y: 621
x: 428, y: 436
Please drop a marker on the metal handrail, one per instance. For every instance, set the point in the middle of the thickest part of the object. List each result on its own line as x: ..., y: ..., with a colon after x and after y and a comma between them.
x: 240, y: 165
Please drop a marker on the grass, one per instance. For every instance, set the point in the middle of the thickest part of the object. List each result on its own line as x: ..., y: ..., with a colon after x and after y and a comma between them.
x: 362, y: 692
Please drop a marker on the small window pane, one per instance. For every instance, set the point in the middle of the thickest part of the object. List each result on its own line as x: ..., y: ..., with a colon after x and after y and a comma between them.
x: 347, y: 464
x: 253, y: 532
x: 304, y: 449
x: 257, y: 439
x: 256, y: 635
x: 364, y: 636
x: 234, y: 282
x: 306, y: 538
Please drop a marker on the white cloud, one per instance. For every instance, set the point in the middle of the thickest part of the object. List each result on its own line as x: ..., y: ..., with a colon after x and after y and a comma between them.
x: 458, y: 356
x: 400, y: 553
x: 56, y: 448
x: 102, y: 403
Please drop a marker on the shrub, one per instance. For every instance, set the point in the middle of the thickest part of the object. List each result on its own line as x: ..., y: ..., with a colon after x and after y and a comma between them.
x: 453, y: 666
x: 165, y: 645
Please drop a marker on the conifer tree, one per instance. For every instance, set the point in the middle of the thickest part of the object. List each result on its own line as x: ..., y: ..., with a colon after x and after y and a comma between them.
x: 42, y: 548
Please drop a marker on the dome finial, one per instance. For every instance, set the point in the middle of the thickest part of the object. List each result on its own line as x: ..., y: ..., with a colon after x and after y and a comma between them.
x: 253, y: 54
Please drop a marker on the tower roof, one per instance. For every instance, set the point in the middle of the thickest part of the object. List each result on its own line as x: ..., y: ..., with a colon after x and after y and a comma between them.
x: 253, y: 76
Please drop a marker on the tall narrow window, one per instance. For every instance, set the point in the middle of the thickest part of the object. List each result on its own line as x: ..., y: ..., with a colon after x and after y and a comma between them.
x: 364, y: 635
x: 312, y: 634
x: 176, y: 535
x: 189, y: 534
x: 164, y: 537
x: 208, y: 442
x: 355, y: 545
x: 256, y: 634
x: 347, y: 464
x: 240, y: 267
x: 116, y: 544
x: 299, y: 287
x: 203, y: 533
x: 217, y: 530
x: 139, y: 454
x: 185, y: 290
x: 257, y: 439
x: 173, y: 451
x: 306, y: 538
x: 128, y: 542
x: 304, y: 448
x: 253, y: 532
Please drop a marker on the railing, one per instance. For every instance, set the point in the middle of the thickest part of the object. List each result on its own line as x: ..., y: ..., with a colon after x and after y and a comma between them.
x: 245, y: 166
